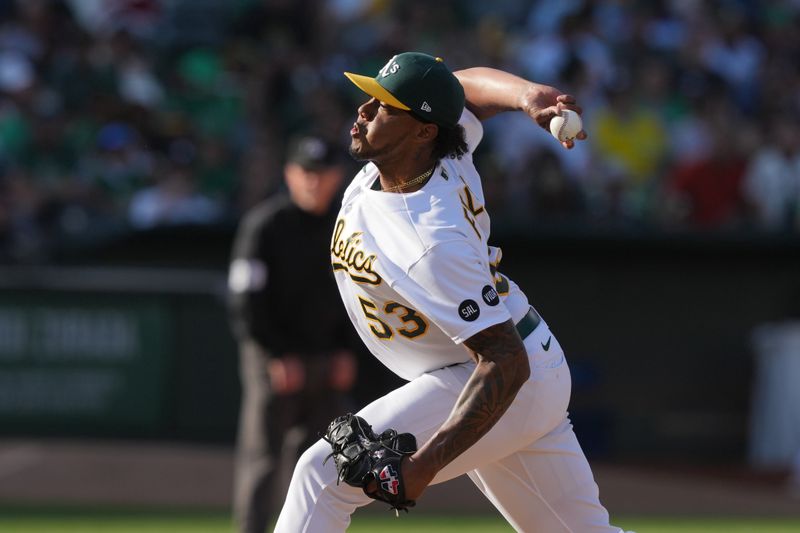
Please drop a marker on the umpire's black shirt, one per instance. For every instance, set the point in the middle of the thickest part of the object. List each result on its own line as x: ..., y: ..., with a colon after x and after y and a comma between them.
x: 282, y: 291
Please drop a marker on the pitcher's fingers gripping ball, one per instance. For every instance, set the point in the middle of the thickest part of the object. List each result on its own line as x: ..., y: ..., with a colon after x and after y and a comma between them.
x: 369, y: 461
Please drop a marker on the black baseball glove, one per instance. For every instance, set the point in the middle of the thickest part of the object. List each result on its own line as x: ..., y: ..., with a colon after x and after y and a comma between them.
x: 361, y: 457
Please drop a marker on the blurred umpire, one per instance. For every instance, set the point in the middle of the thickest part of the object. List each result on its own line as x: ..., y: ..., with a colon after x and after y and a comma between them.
x: 295, y: 341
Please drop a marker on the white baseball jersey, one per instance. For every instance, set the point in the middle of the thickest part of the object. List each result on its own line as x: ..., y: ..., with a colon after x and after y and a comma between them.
x: 415, y: 270
x: 418, y: 278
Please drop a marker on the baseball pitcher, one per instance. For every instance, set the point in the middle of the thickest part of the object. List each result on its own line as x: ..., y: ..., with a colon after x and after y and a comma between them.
x: 488, y: 383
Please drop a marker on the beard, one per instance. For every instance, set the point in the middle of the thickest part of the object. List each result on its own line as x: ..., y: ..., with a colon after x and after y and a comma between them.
x: 362, y: 153
x: 354, y: 153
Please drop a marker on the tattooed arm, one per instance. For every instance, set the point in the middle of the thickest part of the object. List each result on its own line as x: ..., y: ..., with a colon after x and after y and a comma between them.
x: 502, y: 368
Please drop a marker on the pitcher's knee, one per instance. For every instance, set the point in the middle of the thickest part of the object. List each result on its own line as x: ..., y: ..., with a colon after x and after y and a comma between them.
x: 311, y: 464
x: 314, y: 491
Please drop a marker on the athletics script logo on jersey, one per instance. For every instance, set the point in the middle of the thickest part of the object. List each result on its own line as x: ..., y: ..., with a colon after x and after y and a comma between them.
x: 351, y: 258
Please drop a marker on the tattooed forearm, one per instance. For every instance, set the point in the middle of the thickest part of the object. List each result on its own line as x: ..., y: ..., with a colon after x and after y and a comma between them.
x: 502, y: 368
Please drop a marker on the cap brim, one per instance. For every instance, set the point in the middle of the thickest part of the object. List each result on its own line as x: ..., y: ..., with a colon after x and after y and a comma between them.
x: 374, y: 89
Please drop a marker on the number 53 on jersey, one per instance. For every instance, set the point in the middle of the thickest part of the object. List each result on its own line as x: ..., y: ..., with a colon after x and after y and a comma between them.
x: 411, y: 324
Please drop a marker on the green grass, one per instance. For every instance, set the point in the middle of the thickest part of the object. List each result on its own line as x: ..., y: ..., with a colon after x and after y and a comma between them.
x: 427, y: 524
x: 68, y: 520
x: 711, y: 525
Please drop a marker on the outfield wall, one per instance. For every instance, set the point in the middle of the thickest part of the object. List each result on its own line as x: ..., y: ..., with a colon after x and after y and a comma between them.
x: 131, y: 339
x: 118, y: 352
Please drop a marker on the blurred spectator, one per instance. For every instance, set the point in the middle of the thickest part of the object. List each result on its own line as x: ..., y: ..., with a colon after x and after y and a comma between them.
x: 631, y: 148
x: 174, y: 199
x: 706, y: 192
x: 93, y: 91
x: 137, y: 84
x: 735, y: 54
x: 772, y: 180
x: 295, y: 342
x: 138, y: 17
x: 216, y: 170
x: 120, y: 164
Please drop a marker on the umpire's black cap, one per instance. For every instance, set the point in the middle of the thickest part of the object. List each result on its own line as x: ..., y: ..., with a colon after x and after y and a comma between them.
x: 313, y: 153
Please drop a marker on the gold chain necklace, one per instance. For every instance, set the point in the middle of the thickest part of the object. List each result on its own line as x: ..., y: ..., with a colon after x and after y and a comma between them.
x: 419, y: 179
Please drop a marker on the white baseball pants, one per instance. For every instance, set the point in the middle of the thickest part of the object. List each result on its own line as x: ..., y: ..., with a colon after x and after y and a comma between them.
x: 529, y: 465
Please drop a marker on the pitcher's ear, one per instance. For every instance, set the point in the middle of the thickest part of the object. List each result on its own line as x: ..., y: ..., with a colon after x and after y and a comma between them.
x: 428, y: 132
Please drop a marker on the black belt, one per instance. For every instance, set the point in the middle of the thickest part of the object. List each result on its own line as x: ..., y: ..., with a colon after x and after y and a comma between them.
x: 528, y: 323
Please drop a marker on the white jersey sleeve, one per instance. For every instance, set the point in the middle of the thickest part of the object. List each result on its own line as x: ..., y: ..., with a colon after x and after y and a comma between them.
x: 453, y: 286
x: 473, y: 129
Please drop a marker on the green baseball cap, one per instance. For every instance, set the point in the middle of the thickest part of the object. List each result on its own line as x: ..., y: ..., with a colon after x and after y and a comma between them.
x: 418, y: 83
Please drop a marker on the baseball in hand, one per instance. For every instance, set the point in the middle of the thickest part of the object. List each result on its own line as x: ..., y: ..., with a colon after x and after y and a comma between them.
x: 566, y: 126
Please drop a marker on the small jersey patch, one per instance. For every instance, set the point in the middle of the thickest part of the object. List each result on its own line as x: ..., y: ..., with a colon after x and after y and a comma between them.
x: 490, y: 295
x: 469, y: 310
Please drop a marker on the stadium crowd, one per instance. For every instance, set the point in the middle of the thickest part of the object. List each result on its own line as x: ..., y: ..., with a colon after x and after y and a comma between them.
x: 129, y: 114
